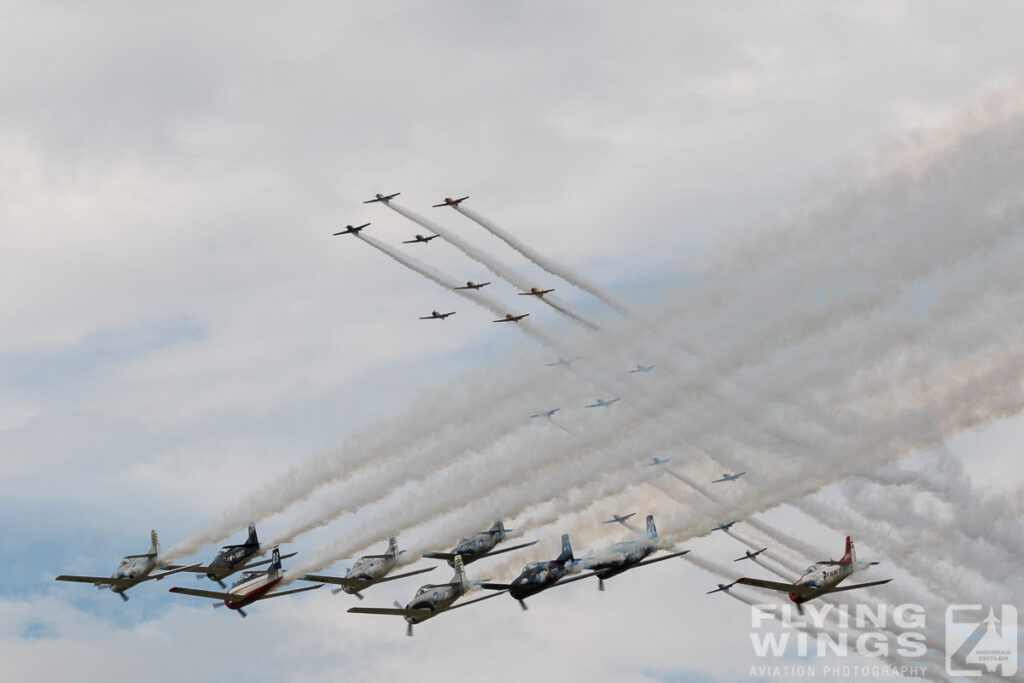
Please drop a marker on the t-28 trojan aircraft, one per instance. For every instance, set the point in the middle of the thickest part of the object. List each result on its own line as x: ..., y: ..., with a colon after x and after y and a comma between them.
x: 133, y: 569
x: 481, y: 544
x: 820, y: 578
x: 233, y: 558
x: 367, y: 571
x: 626, y: 555
x: 431, y: 599
x: 250, y: 587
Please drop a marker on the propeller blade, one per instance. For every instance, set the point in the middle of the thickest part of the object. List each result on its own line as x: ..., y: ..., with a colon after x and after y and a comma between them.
x: 218, y: 604
x: 398, y: 605
x: 600, y: 584
x: 523, y: 605
x: 408, y: 630
x: 242, y: 613
x: 358, y: 595
x: 335, y: 591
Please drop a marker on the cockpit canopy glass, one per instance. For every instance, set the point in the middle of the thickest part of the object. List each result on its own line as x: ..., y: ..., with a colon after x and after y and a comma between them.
x: 810, y: 570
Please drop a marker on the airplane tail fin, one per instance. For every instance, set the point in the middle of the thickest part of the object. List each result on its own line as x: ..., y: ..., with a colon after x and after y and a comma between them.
x: 566, y: 555
x: 253, y: 539
x: 851, y: 553
x: 652, y: 531
x: 499, y: 527
x: 392, y: 546
x: 275, y: 564
x: 460, y: 571
x: 154, y: 543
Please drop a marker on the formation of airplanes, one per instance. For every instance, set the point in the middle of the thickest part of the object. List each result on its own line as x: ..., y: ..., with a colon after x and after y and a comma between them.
x: 430, y: 600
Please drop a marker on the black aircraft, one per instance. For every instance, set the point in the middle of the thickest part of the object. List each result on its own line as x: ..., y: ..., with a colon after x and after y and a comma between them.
x: 434, y: 315
x: 234, y: 558
x: 539, y: 576
x: 351, y: 230
x: 382, y: 198
x: 420, y: 238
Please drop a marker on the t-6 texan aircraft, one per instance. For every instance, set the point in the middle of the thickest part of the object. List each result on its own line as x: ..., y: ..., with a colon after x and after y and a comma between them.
x: 481, y: 544
x: 563, y: 361
x: 434, y: 315
x: 367, y: 571
x: 621, y: 519
x: 656, y: 462
x: 431, y: 599
x: 601, y: 403
x: 724, y: 526
x: 626, y: 555
x: 546, y: 413
x: 132, y: 570
x: 728, y: 477
x: 539, y: 576
x: 382, y: 198
x: 820, y: 578
x: 472, y: 285
x: 642, y: 368
x: 722, y: 587
x: 750, y: 555
x: 509, y: 318
x: 448, y: 201
x: 351, y: 230
x: 420, y: 238
x: 536, y: 292
x: 250, y: 587
x: 233, y: 558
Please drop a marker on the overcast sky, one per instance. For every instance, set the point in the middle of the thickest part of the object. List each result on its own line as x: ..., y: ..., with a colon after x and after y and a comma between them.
x: 179, y: 326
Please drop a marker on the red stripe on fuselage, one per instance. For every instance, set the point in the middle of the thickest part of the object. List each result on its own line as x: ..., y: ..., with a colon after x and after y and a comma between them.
x: 251, y: 594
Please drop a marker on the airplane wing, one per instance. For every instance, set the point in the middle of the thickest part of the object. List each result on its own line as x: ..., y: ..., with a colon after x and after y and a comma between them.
x: 410, y: 241
x: 859, y: 585
x: 392, y: 611
x: 485, y: 597
x: 435, y: 206
x: 107, y: 580
x: 777, y: 586
x: 359, y: 584
x: 659, y: 559
x: 213, y: 595
x: 718, y: 481
x: 267, y: 596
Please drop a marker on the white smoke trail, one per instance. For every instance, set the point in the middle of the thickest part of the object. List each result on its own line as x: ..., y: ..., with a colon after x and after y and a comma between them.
x: 547, y: 264
x: 502, y: 270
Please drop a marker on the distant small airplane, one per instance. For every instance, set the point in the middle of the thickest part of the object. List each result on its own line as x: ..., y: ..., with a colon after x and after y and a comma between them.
x: 382, y: 198
x: 749, y: 555
x: 250, y: 587
x: 621, y: 519
x: 367, y: 571
x: 728, y: 477
x: 642, y: 368
x: 546, y: 413
x: 472, y: 285
x: 562, y: 361
x: 536, y: 292
x: 434, y: 315
x: 601, y: 403
x: 509, y: 318
x: 656, y: 462
x: 133, y: 569
x: 722, y: 587
x: 820, y: 578
x: 351, y: 230
x: 420, y: 238
x: 724, y: 527
x: 448, y: 201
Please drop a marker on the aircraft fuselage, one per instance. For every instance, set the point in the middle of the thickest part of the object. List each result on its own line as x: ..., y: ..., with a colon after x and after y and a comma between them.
x: 436, y: 598
x: 821, y: 577
x: 252, y: 585
x: 537, y: 577
x: 133, y: 567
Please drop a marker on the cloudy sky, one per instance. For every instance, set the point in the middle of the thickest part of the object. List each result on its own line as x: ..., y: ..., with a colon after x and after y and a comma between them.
x: 180, y: 328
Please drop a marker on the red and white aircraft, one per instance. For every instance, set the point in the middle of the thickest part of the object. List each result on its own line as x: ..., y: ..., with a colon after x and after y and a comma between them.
x: 820, y: 578
x: 250, y: 587
x: 448, y: 201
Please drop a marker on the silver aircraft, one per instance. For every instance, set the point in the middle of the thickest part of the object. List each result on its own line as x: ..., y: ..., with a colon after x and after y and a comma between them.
x: 626, y: 555
x: 367, y: 571
x: 567, y: 362
x: 621, y: 519
x: 480, y: 544
x: 133, y: 569
x: 602, y: 403
x: 546, y: 413
x: 642, y: 368
x: 431, y: 599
